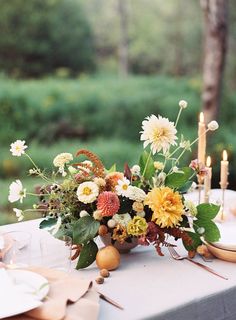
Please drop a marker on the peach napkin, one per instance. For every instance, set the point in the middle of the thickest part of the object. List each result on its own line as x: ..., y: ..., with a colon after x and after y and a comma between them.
x: 69, y: 298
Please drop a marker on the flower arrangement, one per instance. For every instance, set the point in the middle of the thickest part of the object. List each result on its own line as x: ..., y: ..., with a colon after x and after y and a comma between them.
x: 145, y: 202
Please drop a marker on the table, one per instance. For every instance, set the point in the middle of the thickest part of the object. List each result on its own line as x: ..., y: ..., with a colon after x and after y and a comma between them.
x: 152, y: 287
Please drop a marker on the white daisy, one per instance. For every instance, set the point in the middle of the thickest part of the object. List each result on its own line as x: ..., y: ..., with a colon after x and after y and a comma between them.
x: 18, y: 148
x: 19, y: 214
x: 159, y: 132
x: 87, y: 192
x: 16, y: 191
x: 136, y: 194
x: 122, y: 219
x: 122, y: 187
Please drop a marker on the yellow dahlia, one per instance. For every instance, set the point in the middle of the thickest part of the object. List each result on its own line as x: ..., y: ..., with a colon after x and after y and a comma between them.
x: 119, y: 233
x: 137, y: 226
x: 166, y: 205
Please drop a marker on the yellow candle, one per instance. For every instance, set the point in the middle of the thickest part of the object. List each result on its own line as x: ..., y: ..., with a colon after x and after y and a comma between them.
x: 207, y: 180
x: 202, y: 139
x: 224, y: 171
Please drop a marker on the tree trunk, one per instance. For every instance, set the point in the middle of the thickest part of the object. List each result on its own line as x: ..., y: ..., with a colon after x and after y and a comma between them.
x: 123, y: 43
x: 215, y: 47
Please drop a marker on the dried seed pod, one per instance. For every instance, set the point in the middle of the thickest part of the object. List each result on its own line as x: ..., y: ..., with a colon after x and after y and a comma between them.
x: 102, y: 231
x: 99, y: 280
x: 104, y: 273
x: 191, y: 254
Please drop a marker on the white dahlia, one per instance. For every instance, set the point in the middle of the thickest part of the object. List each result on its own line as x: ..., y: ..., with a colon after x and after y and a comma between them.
x: 122, y: 219
x: 61, y: 159
x: 159, y: 132
x: 136, y: 194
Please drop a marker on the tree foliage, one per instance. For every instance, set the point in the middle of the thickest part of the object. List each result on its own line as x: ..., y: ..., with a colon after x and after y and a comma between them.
x: 37, y: 37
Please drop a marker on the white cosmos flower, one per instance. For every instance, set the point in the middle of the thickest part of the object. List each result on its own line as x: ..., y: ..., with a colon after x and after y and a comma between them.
x: 19, y: 214
x: 136, y: 194
x: 87, y: 192
x: 18, y: 148
x: 122, y: 187
x: 16, y: 191
x: 122, y: 219
x: 159, y: 132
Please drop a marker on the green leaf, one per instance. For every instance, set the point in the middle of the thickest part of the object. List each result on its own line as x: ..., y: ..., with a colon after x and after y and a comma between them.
x: 112, y: 168
x: 207, y: 211
x: 84, y: 230
x: 48, y: 223
x: 211, y: 233
x: 177, y: 180
x: 87, y: 255
x: 146, y: 161
x: 185, y: 187
x: 196, y: 241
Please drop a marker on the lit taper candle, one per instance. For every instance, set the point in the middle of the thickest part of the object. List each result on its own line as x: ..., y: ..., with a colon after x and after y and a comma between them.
x: 224, y: 171
x: 201, y: 139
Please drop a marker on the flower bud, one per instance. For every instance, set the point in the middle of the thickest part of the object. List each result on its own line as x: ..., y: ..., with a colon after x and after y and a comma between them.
x: 183, y: 104
x: 213, y: 125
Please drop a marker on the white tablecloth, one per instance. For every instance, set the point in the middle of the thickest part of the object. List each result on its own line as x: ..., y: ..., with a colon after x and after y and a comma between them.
x: 153, y: 287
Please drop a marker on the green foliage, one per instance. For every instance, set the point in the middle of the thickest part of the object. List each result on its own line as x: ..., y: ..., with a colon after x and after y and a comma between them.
x: 146, y: 165
x: 207, y: 211
x: 37, y: 37
x: 87, y: 255
x: 196, y: 241
x: 178, y: 180
x: 84, y: 230
x: 47, y: 223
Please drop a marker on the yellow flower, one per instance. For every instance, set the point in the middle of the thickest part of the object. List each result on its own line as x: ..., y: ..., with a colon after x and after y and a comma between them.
x: 166, y: 205
x: 158, y: 165
x: 137, y: 226
x: 137, y: 206
x: 119, y: 233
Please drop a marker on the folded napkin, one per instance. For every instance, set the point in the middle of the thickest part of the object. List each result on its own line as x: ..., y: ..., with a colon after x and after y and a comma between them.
x: 69, y: 298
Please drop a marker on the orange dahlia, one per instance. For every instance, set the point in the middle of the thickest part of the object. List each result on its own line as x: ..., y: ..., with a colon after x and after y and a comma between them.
x: 108, y: 203
x: 166, y: 205
x: 112, y: 180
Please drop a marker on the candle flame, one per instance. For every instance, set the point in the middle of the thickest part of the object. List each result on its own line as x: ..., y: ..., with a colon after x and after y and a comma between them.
x: 201, y: 117
x: 208, y: 161
x: 225, y: 155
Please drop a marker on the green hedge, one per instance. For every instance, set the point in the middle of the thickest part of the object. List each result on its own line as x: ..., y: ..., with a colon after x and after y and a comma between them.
x: 48, y: 110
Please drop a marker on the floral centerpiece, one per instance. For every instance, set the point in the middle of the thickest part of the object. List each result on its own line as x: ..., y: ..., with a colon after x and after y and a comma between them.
x: 145, y: 202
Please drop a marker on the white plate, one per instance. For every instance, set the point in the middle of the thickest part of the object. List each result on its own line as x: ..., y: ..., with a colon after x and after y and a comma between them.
x: 21, y: 291
x: 228, y: 236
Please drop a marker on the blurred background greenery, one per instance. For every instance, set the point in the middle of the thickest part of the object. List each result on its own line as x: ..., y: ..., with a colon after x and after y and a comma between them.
x: 83, y: 74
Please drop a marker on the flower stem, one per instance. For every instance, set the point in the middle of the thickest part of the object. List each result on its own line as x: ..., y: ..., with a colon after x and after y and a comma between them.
x: 178, y: 116
x: 145, y: 168
x: 38, y: 194
x: 37, y: 168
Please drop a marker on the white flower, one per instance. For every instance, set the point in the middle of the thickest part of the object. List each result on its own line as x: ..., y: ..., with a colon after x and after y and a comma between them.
x: 159, y: 180
x: 176, y: 170
x: 135, y: 170
x: 97, y: 215
x: 122, y: 187
x: 213, y: 125
x: 111, y: 223
x: 190, y: 207
x: 159, y: 132
x: 61, y: 159
x: 16, y: 191
x: 141, y: 214
x: 83, y: 213
x: 158, y: 165
x: 57, y: 226
x: 18, y: 148
x: 19, y: 214
x: 87, y: 192
x: 136, y: 194
x: 183, y: 104
x: 122, y: 219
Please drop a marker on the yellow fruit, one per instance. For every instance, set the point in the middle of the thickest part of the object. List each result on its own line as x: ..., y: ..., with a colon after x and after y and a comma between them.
x: 108, y: 258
